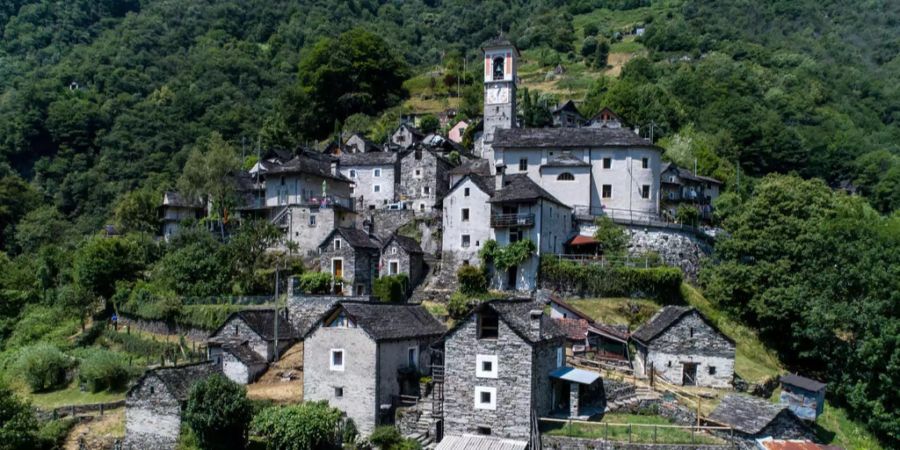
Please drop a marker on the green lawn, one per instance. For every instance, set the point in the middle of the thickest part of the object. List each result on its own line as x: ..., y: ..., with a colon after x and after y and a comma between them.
x: 619, y: 432
x: 617, y: 311
x: 68, y: 396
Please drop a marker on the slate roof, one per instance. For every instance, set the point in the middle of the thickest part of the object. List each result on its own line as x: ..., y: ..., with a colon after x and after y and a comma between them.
x: 318, y: 164
x: 262, y: 322
x: 499, y: 41
x: 569, y: 105
x: 802, y: 382
x: 660, y: 321
x: 592, y: 325
x: 565, y: 159
x: 574, y: 329
x: 520, y: 188
x: 368, y: 159
x: 413, y: 130
x: 354, y: 237
x: 746, y: 413
x: 392, y: 321
x: 486, y: 184
x: 569, y: 137
x: 408, y: 244
x: 475, y: 166
x: 179, y: 379
x: 368, y: 144
x: 306, y: 311
x: 244, y: 354
x: 687, y: 174
x: 172, y: 198
x: 517, y: 315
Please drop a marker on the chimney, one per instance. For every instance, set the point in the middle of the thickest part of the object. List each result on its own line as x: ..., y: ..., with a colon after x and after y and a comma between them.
x: 536, y: 315
x: 501, y: 174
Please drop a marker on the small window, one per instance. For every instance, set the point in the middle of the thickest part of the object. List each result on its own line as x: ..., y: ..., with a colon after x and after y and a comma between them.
x: 418, y: 173
x: 565, y: 176
x: 485, y: 397
x: 393, y: 250
x: 312, y: 220
x: 669, y: 364
x: 421, y: 207
x: 523, y: 164
x: 645, y: 191
x: 692, y: 331
x: 376, y: 188
x: 352, y: 189
x: 607, y: 163
x: 426, y: 190
x: 607, y: 191
x: 560, y: 356
x: 377, y: 173
x: 712, y: 370
x: 393, y: 268
x: 466, y: 192
x: 338, y: 392
x: 465, y: 214
x: 337, y: 360
x: 337, y: 244
x: 486, y: 366
x: 484, y: 431
x: 645, y: 163
x: 466, y: 240
x: 352, y: 173
x: 465, y: 262
x: 488, y: 326
x: 412, y: 357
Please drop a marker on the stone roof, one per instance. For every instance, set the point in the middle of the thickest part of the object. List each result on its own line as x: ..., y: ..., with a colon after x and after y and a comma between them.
x: 687, y: 174
x: 569, y: 105
x: 408, y: 244
x: 368, y: 159
x: 355, y: 237
x: 485, y: 184
x: 262, y: 322
x: 172, y: 198
x: 660, y: 321
x: 392, y: 321
x: 520, y: 188
x: 802, y: 382
x: 499, y: 41
x: 565, y: 159
x: 413, y: 130
x: 307, y: 310
x: 568, y: 137
x: 179, y: 379
x: 574, y: 329
x: 310, y: 163
x: 517, y: 315
x: 746, y: 413
x: 244, y: 354
x: 475, y: 166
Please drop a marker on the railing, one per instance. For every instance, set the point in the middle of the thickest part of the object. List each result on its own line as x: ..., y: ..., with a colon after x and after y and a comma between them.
x: 512, y: 220
x: 604, y: 261
x: 632, y: 217
x: 642, y: 433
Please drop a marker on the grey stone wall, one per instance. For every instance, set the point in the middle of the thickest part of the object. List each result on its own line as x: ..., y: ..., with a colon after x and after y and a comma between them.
x: 152, y: 417
x: 567, y: 443
x: 236, y: 328
x: 391, y: 356
x: 704, y: 346
x: 387, y: 221
x: 676, y: 248
x: 162, y: 327
x: 432, y: 174
x: 360, y: 265
x: 413, y: 265
x: 359, y: 379
x: 239, y: 372
x: 511, y: 418
x: 309, y: 236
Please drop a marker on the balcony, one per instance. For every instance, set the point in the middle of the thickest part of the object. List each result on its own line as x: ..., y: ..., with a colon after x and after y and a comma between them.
x: 512, y: 220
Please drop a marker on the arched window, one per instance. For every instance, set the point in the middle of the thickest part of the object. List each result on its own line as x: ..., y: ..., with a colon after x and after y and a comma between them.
x: 499, y: 70
x: 565, y: 176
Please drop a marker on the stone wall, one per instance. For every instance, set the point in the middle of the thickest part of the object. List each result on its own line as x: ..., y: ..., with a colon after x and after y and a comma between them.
x: 692, y: 340
x: 152, y: 417
x: 387, y: 221
x: 359, y: 265
x: 236, y: 328
x: 163, y: 327
x: 432, y: 177
x: 677, y: 248
x: 567, y: 443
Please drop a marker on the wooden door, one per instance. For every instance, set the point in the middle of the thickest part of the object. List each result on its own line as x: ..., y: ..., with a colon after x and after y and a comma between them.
x: 337, y: 268
x: 689, y: 374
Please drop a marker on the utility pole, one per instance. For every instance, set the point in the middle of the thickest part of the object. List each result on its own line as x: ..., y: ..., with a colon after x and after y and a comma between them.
x: 277, y: 265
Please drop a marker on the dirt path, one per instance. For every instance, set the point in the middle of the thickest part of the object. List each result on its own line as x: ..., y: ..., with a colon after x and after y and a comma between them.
x: 99, y: 433
x: 283, y: 382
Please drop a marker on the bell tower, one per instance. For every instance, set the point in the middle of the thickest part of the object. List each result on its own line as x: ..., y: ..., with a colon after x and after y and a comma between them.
x: 501, y: 59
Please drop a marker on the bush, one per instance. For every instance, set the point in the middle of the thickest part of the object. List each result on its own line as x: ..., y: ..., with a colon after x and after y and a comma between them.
x: 218, y: 413
x: 43, y: 366
x: 472, y: 280
x: 298, y: 427
x: 52, y: 435
x: 660, y: 283
x: 315, y: 283
x: 17, y: 422
x: 386, y: 436
x: 102, y: 369
x: 687, y: 215
x: 391, y: 289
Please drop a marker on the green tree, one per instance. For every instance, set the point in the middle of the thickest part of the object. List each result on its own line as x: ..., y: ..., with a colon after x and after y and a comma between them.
x: 199, y: 267
x: 99, y: 262
x: 16, y: 198
x: 42, y: 366
x: 136, y: 211
x: 308, y: 425
x: 18, y: 426
x: 218, y: 413
x: 208, y: 174
x: 612, y: 238
x: 429, y: 123
x: 41, y: 226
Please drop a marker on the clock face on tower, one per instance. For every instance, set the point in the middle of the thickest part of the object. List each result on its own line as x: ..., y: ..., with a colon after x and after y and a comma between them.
x: 497, y: 94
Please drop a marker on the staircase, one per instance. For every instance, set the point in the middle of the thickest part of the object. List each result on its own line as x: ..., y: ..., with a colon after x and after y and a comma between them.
x: 279, y: 219
x: 640, y: 393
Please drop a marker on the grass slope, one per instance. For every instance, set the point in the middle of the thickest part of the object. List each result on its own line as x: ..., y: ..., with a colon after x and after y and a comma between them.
x: 640, y: 434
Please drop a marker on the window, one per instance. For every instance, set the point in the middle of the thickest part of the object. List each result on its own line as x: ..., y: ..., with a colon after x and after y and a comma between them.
x: 312, y: 220
x: 341, y: 321
x: 560, y: 359
x: 412, y: 357
x: 393, y: 268
x: 376, y: 188
x: 486, y: 366
x: 645, y: 163
x: 421, y: 207
x: 712, y: 370
x: 607, y: 163
x: 515, y: 235
x: 465, y: 214
x: 466, y: 240
x: 377, y: 173
x: 352, y: 173
x: 498, y: 69
x: 484, y: 431
x: 692, y: 331
x: 465, y: 262
x: 488, y: 326
x: 466, y: 192
x: 418, y: 173
x: 565, y: 176
x: 607, y: 191
x: 352, y: 189
x: 485, y: 397
x: 393, y: 250
x: 523, y: 164
x: 426, y: 190
x: 337, y: 244
x: 338, y: 392
x: 337, y: 359
x: 645, y: 191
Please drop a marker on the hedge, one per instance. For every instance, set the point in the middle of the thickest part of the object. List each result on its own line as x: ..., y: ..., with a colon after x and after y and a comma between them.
x: 588, y: 280
x: 472, y: 280
x: 391, y: 289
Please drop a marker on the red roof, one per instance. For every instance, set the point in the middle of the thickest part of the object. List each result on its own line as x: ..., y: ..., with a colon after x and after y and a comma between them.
x: 574, y: 329
x: 583, y: 240
x: 773, y: 444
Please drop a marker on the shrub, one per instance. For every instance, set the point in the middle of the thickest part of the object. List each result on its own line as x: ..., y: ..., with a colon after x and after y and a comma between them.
x: 218, y: 413
x: 43, y: 366
x: 315, y: 283
x: 661, y: 283
x: 687, y: 214
x: 611, y: 238
x: 53, y: 434
x: 472, y: 280
x: 102, y: 369
x: 459, y: 305
x: 391, y: 289
x: 17, y: 422
x: 298, y: 427
x: 386, y: 436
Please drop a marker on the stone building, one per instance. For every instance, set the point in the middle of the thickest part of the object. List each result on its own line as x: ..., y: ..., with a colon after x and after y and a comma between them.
x: 406, y: 136
x: 567, y: 115
x: 176, y: 210
x: 497, y: 366
x: 424, y: 178
x: 154, y: 404
x: 238, y: 361
x: 358, y: 143
x: 683, y: 347
x: 351, y: 256
x: 585, y: 336
x: 464, y: 235
x: 754, y: 418
x: 679, y: 186
x: 360, y: 357
x: 501, y: 59
x: 256, y: 328
x: 401, y: 254
x: 457, y: 131
x: 375, y: 177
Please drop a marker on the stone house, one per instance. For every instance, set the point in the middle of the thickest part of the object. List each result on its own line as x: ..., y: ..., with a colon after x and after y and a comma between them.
x: 755, y: 418
x: 374, y: 176
x: 681, y: 186
x: 683, y: 347
x: 497, y: 363
x: 256, y: 328
x: 358, y: 143
x: 424, y: 178
x: 175, y: 210
x: 360, y: 357
x: 567, y: 115
x: 401, y: 254
x: 154, y: 404
x: 406, y: 136
x: 585, y: 336
x: 351, y: 256
x: 606, y: 118
x: 465, y: 233
x: 238, y: 361
x: 804, y: 396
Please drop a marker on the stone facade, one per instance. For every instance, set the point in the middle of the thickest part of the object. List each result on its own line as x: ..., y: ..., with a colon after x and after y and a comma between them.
x: 397, y: 260
x: 405, y: 136
x: 374, y: 185
x: 169, y: 328
x: 424, y: 179
x: 569, y: 443
x: 359, y: 266
x: 152, y: 417
x: 309, y: 225
x: 677, y: 248
x: 689, y: 341
x: 236, y: 329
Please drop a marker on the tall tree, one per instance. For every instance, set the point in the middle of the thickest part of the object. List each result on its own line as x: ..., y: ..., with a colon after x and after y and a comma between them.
x: 208, y: 174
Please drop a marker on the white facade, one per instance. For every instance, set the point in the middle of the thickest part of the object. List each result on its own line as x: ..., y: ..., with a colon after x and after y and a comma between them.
x: 462, y: 237
x: 373, y: 185
x: 500, y: 68
x: 284, y: 189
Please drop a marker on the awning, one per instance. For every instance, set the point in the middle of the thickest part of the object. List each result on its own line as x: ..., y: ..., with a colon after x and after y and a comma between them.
x: 473, y: 442
x: 583, y: 240
x: 574, y: 375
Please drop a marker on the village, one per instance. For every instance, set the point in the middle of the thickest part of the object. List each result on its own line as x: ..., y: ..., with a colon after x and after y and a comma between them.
x: 524, y: 367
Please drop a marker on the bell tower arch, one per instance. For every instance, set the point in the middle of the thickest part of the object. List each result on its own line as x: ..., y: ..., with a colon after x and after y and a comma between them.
x: 501, y: 59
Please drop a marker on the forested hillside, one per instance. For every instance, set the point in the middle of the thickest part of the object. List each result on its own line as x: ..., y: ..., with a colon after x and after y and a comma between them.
x: 790, y: 102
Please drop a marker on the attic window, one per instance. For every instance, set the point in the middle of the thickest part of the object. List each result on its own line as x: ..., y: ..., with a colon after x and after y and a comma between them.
x: 337, y: 359
x: 488, y: 325
x: 466, y: 192
x: 607, y: 163
x: 337, y: 244
x: 645, y: 163
x: 341, y: 321
x: 565, y: 176
x: 418, y: 154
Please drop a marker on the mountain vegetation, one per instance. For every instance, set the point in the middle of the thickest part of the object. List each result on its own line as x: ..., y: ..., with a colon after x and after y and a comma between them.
x: 104, y: 104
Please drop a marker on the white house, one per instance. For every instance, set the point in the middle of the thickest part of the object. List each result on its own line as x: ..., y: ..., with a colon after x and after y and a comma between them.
x: 374, y: 176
